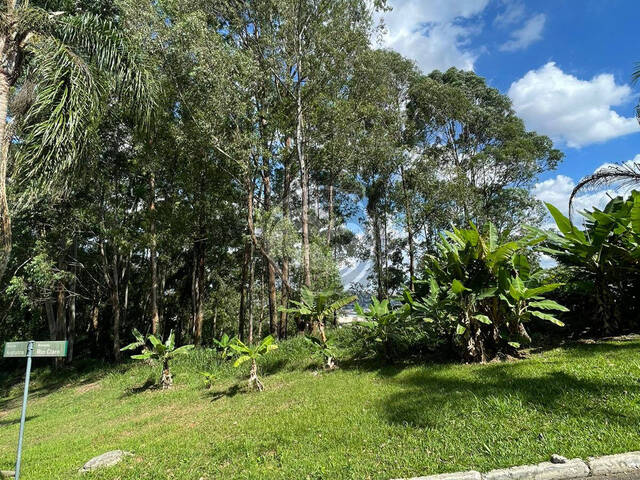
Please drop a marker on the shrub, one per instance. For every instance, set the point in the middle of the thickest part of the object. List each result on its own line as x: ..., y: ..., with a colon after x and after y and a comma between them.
x: 483, y: 292
x: 603, y: 259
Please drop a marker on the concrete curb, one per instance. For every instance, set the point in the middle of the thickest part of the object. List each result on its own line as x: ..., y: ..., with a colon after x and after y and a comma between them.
x: 565, y: 470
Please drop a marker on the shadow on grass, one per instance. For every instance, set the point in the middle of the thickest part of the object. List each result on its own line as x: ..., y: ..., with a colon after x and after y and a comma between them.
x: 46, y: 380
x: 232, y: 391
x: 430, y: 397
x: 149, y: 384
x: 15, y: 421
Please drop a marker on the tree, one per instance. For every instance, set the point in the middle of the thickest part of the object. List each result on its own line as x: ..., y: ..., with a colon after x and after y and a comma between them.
x: 470, y: 135
x: 66, y: 56
x: 156, y: 350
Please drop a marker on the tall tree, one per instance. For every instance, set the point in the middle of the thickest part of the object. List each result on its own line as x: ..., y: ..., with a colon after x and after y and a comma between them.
x: 67, y: 55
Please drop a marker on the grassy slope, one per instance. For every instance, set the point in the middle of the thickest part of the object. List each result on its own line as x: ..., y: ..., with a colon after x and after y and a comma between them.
x: 350, y: 424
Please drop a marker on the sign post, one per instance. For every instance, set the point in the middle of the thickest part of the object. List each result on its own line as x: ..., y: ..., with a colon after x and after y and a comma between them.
x: 30, y: 349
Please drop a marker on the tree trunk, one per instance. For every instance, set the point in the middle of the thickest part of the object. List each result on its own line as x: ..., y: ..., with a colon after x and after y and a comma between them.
x: 95, y: 323
x: 243, y: 289
x: 409, y: 223
x: 71, y: 324
x: 198, y: 291
x: 377, y: 251
x: 5, y: 216
x: 304, y: 170
x: 51, y: 319
x: 155, y: 316
x: 286, y: 206
x: 167, y: 380
x: 254, y: 381
x: 115, y: 307
x: 252, y: 267
x: 331, y: 219
x: 270, y: 270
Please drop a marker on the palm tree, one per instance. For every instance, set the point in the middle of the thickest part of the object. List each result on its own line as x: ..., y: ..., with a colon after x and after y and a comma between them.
x: 56, y: 70
x: 621, y: 174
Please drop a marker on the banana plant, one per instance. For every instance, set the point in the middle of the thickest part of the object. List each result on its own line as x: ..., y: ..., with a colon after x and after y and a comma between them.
x: 156, y: 350
x: 251, y: 353
x: 483, y: 291
x: 603, y: 254
x: 314, y: 307
x: 382, y: 322
x: 326, y: 350
x: 223, y: 346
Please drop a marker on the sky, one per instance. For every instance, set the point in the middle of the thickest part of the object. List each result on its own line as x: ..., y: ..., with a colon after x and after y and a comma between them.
x: 566, y: 65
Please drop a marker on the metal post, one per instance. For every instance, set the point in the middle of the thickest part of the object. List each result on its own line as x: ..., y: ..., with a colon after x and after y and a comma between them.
x: 24, y: 407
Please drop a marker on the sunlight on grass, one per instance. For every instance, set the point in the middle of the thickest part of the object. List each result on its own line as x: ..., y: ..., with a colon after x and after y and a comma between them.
x: 376, y: 423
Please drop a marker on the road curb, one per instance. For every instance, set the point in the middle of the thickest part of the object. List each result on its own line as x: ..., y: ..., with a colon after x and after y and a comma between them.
x: 622, y: 463
x: 615, y: 464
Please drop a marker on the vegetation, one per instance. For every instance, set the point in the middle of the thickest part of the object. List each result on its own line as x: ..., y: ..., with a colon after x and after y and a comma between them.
x: 384, y: 326
x: 251, y: 354
x: 196, y: 167
x: 483, y: 291
x: 397, y: 421
x: 311, y: 312
x: 156, y: 350
x: 600, y: 264
x: 239, y: 142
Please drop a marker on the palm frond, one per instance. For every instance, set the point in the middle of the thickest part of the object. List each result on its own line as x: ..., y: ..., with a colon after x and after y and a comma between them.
x: 63, y: 115
x: 105, y: 46
x: 622, y: 175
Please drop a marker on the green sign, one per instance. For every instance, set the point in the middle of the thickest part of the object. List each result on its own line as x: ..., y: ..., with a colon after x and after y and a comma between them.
x: 40, y: 349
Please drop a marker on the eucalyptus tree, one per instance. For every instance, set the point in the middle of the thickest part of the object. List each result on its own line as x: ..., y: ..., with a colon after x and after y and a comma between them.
x: 470, y: 134
x: 378, y: 94
x: 58, y: 69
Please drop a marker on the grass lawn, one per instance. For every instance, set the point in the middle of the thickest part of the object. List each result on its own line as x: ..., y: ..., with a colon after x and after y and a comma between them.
x: 355, y: 423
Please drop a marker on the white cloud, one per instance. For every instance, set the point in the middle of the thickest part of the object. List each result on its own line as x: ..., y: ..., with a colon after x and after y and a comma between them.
x: 529, y: 33
x: 558, y: 190
x: 514, y: 12
x: 430, y: 33
x: 577, y: 112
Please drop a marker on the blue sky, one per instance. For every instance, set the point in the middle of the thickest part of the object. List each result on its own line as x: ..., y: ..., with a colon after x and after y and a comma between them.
x: 566, y: 64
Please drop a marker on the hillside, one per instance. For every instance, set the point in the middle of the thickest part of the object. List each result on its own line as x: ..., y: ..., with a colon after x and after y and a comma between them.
x: 354, y: 423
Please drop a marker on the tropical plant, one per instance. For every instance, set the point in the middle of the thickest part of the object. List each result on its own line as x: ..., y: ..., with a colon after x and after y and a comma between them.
x: 62, y: 67
x: 209, y: 378
x: 483, y: 291
x: 619, y: 174
x: 605, y: 256
x: 156, y: 350
x: 314, y: 307
x: 223, y: 346
x: 383, y: 325
x: 252, y: 353
x: 325, y: 350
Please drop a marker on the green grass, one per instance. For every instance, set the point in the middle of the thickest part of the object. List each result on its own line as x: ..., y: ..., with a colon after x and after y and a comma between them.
x: 355, y: 423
